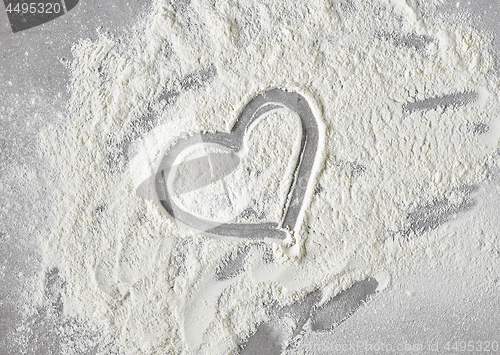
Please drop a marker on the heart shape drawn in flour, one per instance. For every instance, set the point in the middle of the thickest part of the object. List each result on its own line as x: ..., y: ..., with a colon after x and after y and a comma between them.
x: 259, y: 105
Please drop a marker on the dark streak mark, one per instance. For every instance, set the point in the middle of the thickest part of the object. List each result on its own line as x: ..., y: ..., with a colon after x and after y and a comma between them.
x: 318, y: 189
x: 354, y: 169
x: 410, y: 40
x: 343, y: 305
x: 250, y: 212
x: 431, y: 216
x: 268, y: 339
x: 478, y: 128
x: 347, y: 6
x: 233, y: 265
x: 453, y: 100
x: 301, y: 310
x: 101, y: 208
x: 143, y: 218
x: 180, y: 5
x: 270, y: 336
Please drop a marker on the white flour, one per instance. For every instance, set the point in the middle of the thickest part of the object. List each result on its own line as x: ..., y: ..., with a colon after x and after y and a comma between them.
x: 235, y: 198
x: 137, y: 275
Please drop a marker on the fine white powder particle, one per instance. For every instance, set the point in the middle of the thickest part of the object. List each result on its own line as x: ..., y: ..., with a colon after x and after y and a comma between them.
x: 409, y: 109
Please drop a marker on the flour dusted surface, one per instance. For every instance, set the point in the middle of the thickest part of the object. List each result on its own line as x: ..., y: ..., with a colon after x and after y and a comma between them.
x: 136, y: 274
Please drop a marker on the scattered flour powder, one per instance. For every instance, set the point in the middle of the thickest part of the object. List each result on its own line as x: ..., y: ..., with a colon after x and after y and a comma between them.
x: 150, y: 283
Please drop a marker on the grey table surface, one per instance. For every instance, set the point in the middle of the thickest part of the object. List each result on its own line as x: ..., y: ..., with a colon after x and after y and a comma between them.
x: 33, y: 93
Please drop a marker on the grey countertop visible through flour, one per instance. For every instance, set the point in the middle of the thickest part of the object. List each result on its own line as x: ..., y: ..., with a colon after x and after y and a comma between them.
x: 436, y: 308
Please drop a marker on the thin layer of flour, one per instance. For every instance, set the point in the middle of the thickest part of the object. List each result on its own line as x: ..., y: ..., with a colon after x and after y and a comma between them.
x: 390, y: 176
x: 256, y: 188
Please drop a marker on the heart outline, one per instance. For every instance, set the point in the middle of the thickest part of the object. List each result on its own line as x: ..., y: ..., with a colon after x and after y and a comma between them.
x: 256, y: 107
